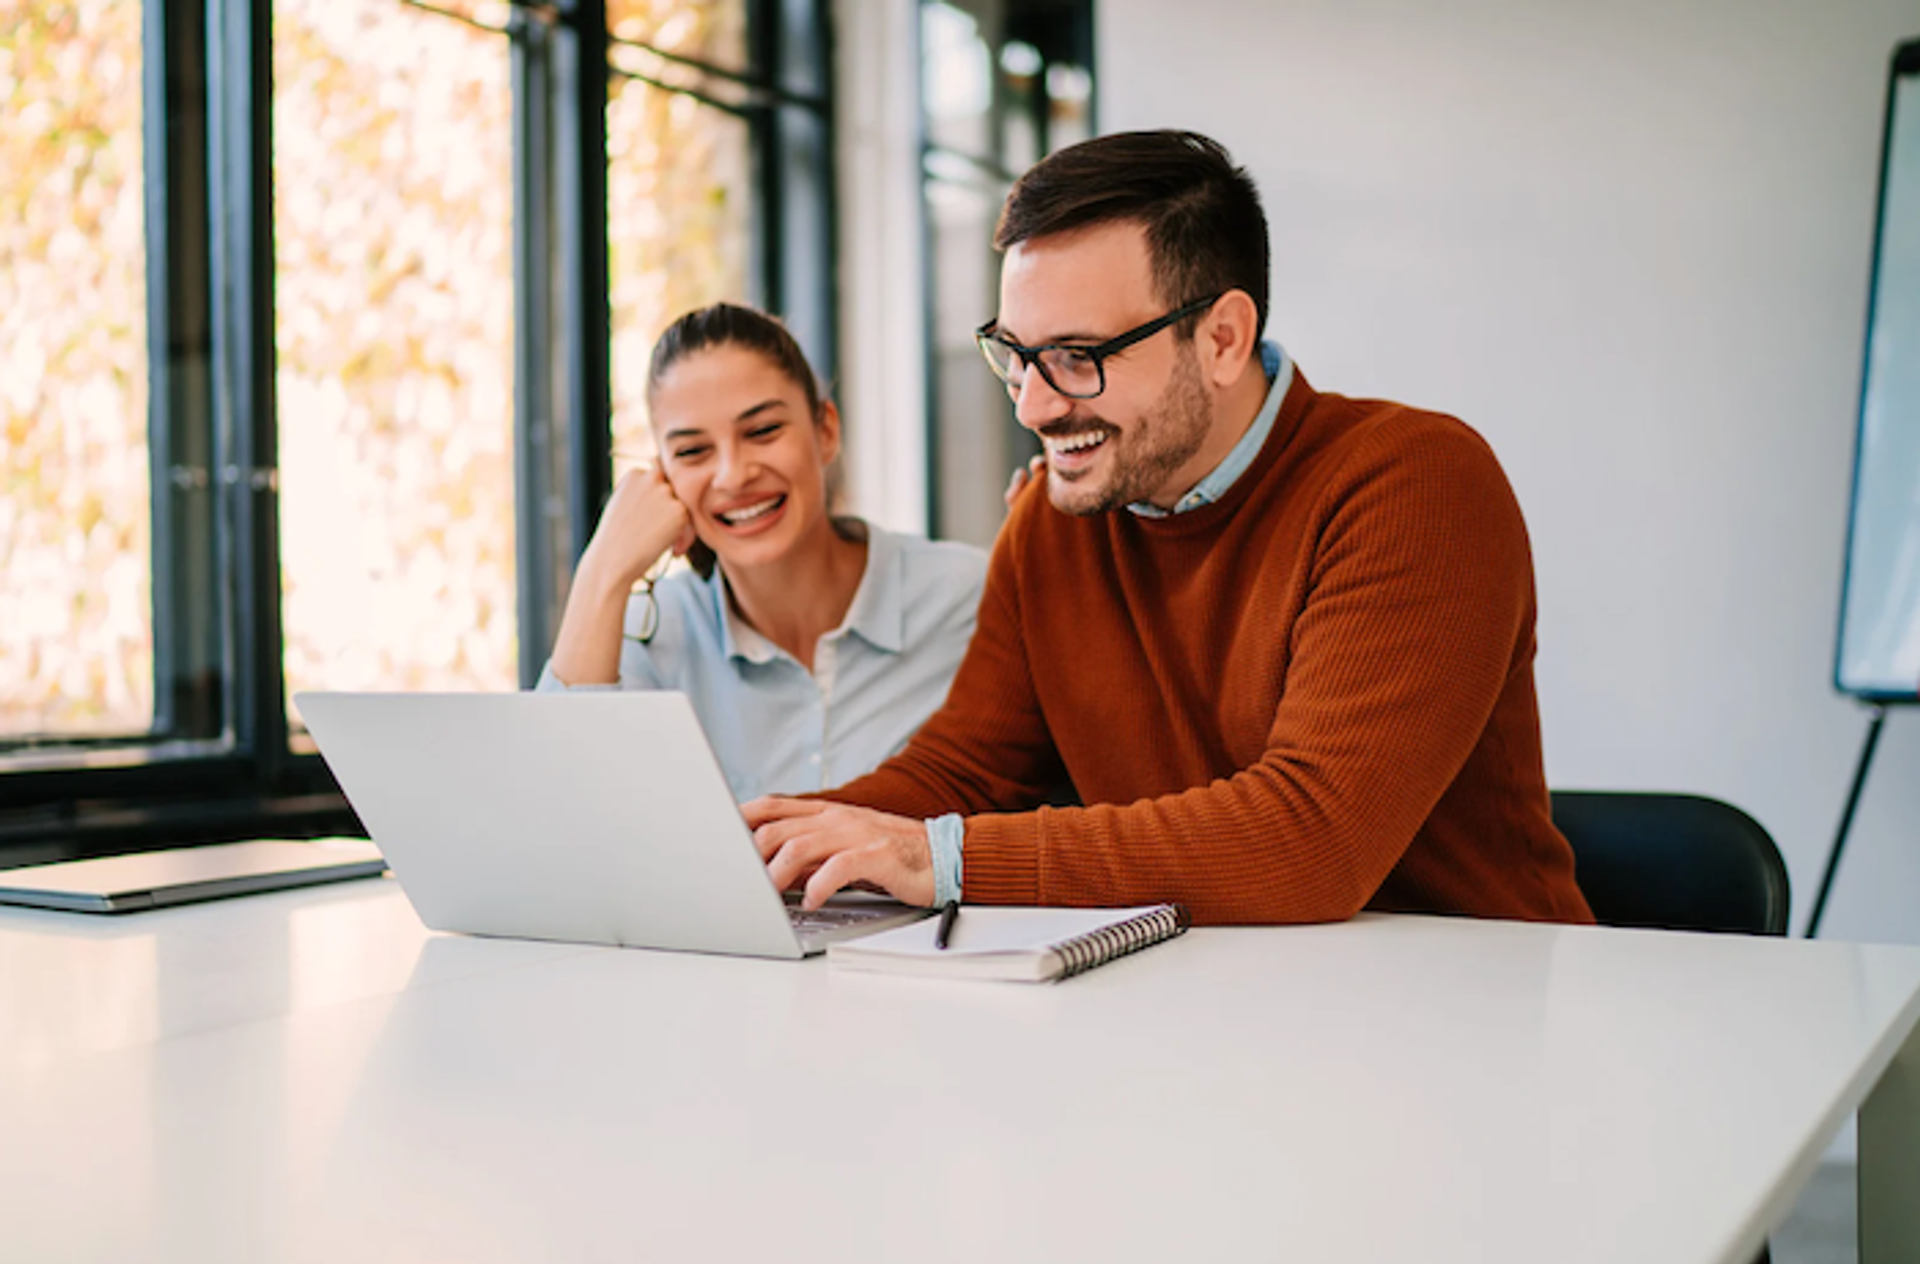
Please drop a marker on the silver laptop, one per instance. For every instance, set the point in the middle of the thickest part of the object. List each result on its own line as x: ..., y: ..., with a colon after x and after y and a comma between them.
x: 185, y: 875
x: 596, y: 818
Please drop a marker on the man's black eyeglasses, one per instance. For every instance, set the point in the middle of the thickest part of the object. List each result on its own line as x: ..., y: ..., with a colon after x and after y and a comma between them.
x: 1075, y: 372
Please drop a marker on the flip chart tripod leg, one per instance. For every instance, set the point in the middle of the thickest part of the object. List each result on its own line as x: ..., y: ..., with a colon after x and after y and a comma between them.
x: 1846, y: 819
x: 1890, y: 1161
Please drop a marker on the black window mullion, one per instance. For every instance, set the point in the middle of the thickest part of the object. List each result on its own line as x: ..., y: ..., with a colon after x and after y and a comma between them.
x: 581, y: 289
x: 792, y: 261
x: 536, y: 521
x: 245, y: 440
x: 764, y: 288
x: 170, y: 476
x: 563, y: 393
x: 188, y: 690
x: 803, y: 145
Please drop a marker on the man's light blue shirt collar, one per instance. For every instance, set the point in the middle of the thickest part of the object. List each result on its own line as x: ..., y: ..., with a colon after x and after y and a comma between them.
x: 877, y: 614
x: 1279, y: 370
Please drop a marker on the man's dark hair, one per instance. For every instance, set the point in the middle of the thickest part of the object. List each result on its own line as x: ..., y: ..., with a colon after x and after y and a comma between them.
x: 1205, y: 230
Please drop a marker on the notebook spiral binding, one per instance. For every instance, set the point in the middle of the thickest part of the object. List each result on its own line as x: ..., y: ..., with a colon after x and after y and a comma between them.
x: 1084, y: 952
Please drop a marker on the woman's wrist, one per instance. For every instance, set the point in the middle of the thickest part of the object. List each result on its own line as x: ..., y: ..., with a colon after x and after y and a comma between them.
x: 587, y: 649
x: 595, y: 577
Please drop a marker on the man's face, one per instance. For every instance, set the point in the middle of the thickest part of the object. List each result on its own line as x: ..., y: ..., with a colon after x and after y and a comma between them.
x: 1137, y: 439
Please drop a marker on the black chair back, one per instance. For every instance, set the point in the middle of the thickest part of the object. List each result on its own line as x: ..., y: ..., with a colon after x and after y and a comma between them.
x: 1673, y: 861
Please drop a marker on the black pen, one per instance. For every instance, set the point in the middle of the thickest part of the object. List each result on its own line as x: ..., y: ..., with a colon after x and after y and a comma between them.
x: 948, y: 913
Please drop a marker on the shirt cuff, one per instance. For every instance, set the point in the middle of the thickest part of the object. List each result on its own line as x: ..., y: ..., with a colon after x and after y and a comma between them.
x: 945, y: 836
x: 550, y: 683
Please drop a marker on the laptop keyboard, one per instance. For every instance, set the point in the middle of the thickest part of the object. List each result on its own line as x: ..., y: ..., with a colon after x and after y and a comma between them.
x: 830, y: 918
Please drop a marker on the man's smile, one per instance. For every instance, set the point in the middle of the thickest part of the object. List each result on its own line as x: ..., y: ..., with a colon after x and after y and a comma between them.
x: 1073, y: 451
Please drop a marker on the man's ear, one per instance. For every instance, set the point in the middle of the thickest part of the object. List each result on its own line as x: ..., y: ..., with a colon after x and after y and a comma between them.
x: 1229, y: 336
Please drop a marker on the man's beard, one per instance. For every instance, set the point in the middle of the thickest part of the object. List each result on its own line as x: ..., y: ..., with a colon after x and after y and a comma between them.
x: 1143, y: 457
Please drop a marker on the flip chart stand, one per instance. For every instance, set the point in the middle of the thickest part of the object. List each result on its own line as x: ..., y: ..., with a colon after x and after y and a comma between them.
x: 1846, y: 817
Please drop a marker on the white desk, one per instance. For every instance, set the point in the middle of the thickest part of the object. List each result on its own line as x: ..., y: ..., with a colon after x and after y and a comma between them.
x: 312, y: 1077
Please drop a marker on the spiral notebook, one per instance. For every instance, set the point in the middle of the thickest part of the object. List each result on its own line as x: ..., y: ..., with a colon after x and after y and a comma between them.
x: 1025, y: 945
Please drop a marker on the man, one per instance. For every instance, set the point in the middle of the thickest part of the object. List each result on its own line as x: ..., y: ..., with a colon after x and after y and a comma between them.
x: 1279, y: 643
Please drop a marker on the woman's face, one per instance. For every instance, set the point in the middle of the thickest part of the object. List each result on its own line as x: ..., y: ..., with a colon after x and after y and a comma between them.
x: 743, y: 454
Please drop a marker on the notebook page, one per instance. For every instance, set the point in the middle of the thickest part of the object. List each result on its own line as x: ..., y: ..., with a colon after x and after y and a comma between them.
x: 982, y: 931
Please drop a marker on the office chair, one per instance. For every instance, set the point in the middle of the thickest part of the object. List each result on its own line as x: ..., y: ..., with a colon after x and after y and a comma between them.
x: 1673, y: 861
x: 1676, y: 862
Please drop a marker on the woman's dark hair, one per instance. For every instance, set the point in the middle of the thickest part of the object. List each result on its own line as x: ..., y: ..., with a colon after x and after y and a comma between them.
x: 731, y: 325
x: 1205, y: 230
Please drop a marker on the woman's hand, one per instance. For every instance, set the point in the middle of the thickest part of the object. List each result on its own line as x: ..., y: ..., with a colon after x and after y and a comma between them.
x: 642, y: 521
x: 1035, y: 468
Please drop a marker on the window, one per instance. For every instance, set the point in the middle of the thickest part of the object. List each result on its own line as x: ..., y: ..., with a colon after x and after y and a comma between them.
x: 76, y: 627
x: 1002, y: 85
x: 323, y: 321
x: 678, y: 168
x: 393, y: 320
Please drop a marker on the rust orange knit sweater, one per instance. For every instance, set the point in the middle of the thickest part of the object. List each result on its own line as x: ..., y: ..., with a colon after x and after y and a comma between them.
x: 1311, y: 697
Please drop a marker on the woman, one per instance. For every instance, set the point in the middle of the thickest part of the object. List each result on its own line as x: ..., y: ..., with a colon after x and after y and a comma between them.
x: 811, y: 646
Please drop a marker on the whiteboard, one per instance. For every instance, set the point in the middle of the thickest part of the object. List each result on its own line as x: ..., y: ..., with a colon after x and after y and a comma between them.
x: 1879, y: 643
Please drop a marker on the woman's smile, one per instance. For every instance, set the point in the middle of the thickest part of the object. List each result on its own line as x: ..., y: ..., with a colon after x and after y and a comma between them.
x: 752, y: 516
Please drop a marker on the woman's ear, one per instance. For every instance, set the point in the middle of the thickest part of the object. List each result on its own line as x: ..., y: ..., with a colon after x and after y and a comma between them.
x: 827, y: 432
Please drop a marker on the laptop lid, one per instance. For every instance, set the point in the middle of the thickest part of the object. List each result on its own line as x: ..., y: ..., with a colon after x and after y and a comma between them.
x: 585, y: 817
x: 154, y: 879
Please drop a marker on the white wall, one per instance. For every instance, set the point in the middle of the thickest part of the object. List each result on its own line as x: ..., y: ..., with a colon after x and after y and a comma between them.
x: 1629, y: 243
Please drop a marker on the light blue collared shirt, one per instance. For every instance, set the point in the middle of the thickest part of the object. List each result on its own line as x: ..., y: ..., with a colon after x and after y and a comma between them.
x: 946, y: 835
x: 779, y: 729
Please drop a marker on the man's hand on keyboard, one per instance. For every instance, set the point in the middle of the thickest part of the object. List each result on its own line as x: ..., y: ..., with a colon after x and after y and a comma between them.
x: 829, y: 846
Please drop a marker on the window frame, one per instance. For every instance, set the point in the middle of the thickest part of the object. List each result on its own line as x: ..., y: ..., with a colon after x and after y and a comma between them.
x: 213, y: 424
x: 1061, y: 32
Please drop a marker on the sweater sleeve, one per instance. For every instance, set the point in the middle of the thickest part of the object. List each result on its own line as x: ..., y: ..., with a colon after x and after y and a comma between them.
x: 1419, y: 611
x: 987, y: 748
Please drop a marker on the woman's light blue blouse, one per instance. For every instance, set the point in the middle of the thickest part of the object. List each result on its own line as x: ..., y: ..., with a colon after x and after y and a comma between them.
x: 778, y: 729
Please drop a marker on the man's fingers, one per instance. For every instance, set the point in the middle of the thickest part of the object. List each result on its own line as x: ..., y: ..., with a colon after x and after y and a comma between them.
x: 779, y: 830
x: 776, y: 807
x: 774, y: 835
x: 791, y: 861
x: 840, y: 870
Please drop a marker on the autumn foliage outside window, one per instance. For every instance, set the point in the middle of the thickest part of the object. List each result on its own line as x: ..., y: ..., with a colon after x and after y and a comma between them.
x: 76, y: 631
x: 391, y: 145
x: 393, y: 297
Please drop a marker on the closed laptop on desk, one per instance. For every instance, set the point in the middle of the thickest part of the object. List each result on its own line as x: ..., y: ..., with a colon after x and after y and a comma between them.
x: 155, y: 879
x: 592, y: 818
